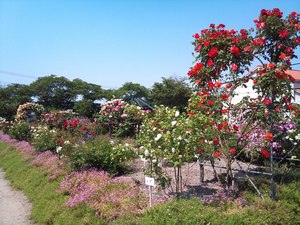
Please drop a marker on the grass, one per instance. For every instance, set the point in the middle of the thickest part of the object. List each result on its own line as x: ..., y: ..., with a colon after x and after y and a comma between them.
x: 47, y: 205
x: 49, y: 208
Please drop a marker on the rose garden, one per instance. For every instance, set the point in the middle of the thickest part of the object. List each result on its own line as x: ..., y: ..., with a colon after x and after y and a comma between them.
x: 250, y: 148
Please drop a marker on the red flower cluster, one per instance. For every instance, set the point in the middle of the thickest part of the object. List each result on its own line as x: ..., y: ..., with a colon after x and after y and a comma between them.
x: 269, y: 136
x: 213, y: 52
x: 235, y: 51
x: 265, y: 153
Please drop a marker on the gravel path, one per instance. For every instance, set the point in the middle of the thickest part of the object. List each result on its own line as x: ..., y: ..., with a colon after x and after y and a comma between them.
x: 14, y: 206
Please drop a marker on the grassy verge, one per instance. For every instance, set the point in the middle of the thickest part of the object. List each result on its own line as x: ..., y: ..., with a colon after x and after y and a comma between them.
x: 49, y: 208
x: 47, y: 205
x: 284, y: 211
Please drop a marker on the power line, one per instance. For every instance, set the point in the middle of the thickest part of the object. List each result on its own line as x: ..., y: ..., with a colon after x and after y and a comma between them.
x: 17, y: 74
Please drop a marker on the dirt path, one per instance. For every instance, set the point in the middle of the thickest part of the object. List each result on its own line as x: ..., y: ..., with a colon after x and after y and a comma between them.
x: 14, y: 206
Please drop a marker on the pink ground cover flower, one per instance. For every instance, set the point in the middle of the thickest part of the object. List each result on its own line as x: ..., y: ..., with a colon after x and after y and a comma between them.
x: 23, y: 147
x: 109, y: 197
x: 50, y: 163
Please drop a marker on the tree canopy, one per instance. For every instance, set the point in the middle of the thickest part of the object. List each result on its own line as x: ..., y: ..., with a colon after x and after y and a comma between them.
x: 171, y: 92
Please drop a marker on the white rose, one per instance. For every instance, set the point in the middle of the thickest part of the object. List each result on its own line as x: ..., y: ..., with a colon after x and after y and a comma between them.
x: 158, y: 137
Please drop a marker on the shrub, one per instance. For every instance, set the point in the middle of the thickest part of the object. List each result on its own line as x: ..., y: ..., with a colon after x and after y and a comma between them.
x: 43, y: 138
x: 102, y: 154
x: 20, y: 131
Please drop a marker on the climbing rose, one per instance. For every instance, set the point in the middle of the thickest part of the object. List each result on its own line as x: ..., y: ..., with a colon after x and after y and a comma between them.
x: 283, y: 34
x: 235, y: 51
x: 213, y: 52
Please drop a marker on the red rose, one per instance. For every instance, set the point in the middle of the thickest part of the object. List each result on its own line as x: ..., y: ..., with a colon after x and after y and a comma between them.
x: 210, y: 103
x: 290, y: 107
x: 216, y: 141
x: 220, y: 26
x: 282, y: 56
x: 217, y: 154
x: 269, y: 136
x: 218, y: 84
x: 283, y: 34
x: 232, y: 151
x: 155, y: 123
x: 191, y: 113
x: 210, y: 85
x: 192, y: 73
x: 196, y: 35
x: 225, y: 123
x: 224, y: 111
x: 267, y: 101
x: 199, y: 150
x: 198, y: 67
x: 229, y: 85
x: 224, y: 96
x: 219, y: 127
x: 235, y: 127
x: 234, y: 67
x: 213, y: 52
x: 271, y: 65
x: 210, y: 63
x: 206, y: 43
x: 247, y: 49
x: 265, y: 153
x: 235, y: 51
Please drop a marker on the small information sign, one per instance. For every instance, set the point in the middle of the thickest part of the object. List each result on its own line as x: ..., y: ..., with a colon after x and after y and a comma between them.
x: 149, y: 181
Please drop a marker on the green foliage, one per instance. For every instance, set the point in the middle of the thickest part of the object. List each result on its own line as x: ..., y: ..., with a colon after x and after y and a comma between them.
x: 54, y: 92
x: 164, y: 138
x: 20, y: 131
x: 88, y: 91
x: 102, y: 154
x: 12, y: 96
x: 44, y: 139
x: 120, y: 117
x: 84, y: 108
x: 171, y: 92
x: 130, y: 89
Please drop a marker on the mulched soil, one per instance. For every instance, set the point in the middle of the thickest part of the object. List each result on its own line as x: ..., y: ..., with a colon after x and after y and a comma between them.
x: 192, y: 187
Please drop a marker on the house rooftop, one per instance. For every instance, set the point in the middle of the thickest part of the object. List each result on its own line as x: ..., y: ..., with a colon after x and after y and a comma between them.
x: 294, y: 73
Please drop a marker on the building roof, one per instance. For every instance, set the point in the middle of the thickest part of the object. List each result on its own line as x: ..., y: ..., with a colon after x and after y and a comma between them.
x: 294, y: 73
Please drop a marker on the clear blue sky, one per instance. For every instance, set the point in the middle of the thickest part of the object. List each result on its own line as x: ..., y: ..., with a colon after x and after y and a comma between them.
x: 110, y: 42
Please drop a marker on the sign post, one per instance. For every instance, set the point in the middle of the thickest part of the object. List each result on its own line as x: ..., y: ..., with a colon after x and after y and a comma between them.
x: 149, y: 181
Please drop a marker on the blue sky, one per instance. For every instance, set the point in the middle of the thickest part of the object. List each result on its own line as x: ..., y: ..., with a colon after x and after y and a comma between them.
x: 110, y: 42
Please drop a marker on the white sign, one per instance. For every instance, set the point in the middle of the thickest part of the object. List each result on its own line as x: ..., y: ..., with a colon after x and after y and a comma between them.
x: 149, y: 181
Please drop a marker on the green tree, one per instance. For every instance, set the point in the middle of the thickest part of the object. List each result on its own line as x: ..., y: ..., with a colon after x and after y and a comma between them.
x: 130, y: 89
x: 11, y: 97
x: 54, y: 92
x: 84, y: 107
x: 171, y: 92
x: 88, y: 91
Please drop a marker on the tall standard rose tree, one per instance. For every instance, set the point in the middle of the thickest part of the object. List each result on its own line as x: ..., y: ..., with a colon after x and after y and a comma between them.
x: 222, y: 57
